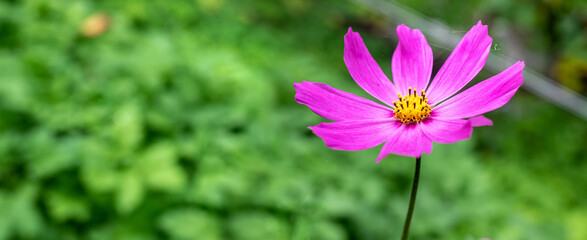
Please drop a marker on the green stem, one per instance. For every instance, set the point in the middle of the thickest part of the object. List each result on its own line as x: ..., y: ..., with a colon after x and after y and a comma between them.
x: 412, y: 200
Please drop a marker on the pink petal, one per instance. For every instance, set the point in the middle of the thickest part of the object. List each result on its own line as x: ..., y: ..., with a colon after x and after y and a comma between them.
x: 356, y: 135
x: 365, y: 70
x: 411, y: 64
x: 483, y: 97
x: 408, y: 140
x: 480, y: 121
x: 463, y: 64
x: 338, y: 105
x: 447, y: 130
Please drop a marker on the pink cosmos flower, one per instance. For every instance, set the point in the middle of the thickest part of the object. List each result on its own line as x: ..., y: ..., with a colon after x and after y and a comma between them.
x: 414, y: 113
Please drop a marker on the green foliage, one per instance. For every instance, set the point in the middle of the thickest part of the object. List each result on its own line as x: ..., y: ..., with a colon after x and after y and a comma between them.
x: 179, y: 122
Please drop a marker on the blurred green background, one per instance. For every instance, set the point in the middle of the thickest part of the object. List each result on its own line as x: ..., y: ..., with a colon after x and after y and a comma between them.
x: 179, y: 122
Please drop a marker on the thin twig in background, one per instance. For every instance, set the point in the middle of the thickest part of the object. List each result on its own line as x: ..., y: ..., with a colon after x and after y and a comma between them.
x: 441, y: 35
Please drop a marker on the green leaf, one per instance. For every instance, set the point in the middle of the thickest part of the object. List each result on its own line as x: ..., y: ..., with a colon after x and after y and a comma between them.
x: 258, y: 225
x: 159, y: 168
x: 188, y: 223
x: 131, y: 192
x: 63, y: 207
x: 128, y: 127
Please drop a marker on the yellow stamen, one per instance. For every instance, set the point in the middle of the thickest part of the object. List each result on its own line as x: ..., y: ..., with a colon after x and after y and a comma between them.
x: 411, y: 108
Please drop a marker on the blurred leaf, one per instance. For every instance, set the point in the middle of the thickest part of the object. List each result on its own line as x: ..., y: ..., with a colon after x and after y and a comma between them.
x: 256, y: 225
x: 127, y: 128
x: 24, y: 216
x: 158, y: 165
x: 63, y: 207
x: 183, y: 224
x: 131, y: 192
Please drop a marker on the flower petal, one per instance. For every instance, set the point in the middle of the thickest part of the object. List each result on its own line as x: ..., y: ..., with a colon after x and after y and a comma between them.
x: 483, y: 97
x: 463, y: 64
x: 365, y: 70
x: 480, y: 121
x: 338, y: 105
x: 408, y: 140
x: 356, y: 135
x: 411, y: 64
x: 447, y: 130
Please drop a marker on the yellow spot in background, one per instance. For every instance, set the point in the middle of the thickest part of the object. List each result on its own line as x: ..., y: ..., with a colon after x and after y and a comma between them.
x: 95, y: 25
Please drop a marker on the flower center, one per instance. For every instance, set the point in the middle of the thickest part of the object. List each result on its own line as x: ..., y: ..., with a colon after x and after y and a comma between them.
x: 411, y: 108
